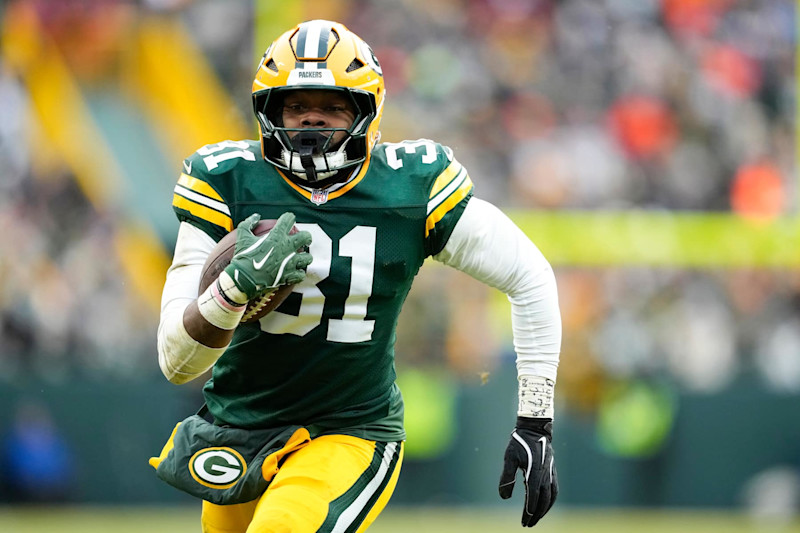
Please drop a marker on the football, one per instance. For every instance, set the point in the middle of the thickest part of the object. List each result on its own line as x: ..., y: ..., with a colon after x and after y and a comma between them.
x: 221, y: 256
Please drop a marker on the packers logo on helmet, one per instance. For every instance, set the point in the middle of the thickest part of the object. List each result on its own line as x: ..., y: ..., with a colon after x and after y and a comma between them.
x: 319, y: 54
x: 217, y: 468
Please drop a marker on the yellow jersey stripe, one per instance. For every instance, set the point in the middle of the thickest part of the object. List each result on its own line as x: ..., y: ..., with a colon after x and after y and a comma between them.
x: 206, y: 213
x: 454, y: 184
x: 200, y: 199
x: 445, y: 177
x: 447, y: 206
x: 199, y: 186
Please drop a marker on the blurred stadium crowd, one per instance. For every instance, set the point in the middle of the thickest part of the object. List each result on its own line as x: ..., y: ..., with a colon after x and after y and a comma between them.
x: 64, y: 305
x: 682, y: 105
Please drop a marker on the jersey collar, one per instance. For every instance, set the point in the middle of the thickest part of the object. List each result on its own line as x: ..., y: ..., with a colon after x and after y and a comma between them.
x: 334, y: 191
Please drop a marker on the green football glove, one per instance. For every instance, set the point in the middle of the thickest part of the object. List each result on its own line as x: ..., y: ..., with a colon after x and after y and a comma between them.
x: 264, y: 262
x: 531, y: 451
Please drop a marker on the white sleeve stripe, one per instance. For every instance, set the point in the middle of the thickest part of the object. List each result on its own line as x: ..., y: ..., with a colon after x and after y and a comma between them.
x: 200, y: 199
x: 447, y: 191
x: 527, y: 451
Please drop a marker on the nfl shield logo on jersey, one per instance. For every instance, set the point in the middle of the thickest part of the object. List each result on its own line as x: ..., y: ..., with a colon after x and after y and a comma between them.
x: 319, y: 196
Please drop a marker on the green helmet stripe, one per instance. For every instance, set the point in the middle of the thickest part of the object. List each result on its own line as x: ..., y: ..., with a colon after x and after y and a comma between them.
x: 312, y: 42
x: 322, y: 46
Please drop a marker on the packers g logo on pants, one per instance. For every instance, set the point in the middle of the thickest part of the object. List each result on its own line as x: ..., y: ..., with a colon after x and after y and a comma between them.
x: 217, y: 468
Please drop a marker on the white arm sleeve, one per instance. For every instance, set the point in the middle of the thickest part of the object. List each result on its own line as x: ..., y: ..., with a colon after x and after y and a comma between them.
x: 180, y: 357
x: 488, y: 246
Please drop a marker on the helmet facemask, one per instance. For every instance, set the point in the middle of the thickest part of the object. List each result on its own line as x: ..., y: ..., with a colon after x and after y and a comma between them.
x: 319, y: 55
x: 311, y: 156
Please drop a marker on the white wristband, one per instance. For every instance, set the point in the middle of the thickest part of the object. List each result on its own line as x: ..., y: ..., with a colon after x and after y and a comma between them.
x: 230, y: 289
x: 220, y: 303
x: 536, y: 397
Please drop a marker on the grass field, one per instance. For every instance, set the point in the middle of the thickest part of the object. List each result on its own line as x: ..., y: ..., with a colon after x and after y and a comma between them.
x: 414, y: 520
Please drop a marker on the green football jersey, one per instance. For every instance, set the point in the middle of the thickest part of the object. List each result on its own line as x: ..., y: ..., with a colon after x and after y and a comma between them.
x: 325, y: 358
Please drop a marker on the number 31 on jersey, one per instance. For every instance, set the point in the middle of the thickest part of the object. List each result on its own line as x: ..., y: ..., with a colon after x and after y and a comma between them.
x: 359, y: 245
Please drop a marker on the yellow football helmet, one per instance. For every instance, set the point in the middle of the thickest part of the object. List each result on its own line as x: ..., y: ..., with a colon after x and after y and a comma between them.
x: 318, y: 54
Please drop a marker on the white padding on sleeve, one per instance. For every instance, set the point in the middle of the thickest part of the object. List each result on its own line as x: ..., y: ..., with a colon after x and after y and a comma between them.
x: 180, y: 357
x: 488, y: 246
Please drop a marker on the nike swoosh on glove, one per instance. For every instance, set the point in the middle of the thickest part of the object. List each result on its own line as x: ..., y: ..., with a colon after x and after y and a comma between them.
x: 530, y: 450
x: 264, y: 262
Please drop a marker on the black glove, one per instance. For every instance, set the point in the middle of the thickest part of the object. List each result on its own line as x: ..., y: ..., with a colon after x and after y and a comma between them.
x: 531, y: 451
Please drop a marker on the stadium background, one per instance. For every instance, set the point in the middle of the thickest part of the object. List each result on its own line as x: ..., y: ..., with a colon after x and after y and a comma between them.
x: 647, y: 146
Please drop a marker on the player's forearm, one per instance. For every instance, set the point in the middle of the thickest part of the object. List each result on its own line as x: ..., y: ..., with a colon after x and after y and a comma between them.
x: 536, y: 324
x: 204, y: 331
x: 194, y: 330
x: 180, y: 356
x: 213, y: 317
x: 190, y: 344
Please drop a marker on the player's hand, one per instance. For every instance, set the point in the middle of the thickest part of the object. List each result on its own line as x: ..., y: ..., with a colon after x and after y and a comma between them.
x: 264, y: 262
x: 531, y: 451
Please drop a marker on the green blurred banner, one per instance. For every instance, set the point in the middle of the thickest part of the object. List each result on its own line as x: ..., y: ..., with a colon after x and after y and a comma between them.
x: 660, y: 238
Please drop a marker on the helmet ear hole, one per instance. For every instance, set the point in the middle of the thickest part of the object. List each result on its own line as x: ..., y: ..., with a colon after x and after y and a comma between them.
x: 354, y: 65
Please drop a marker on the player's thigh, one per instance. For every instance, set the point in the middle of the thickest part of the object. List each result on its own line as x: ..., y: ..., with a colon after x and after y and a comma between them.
x: 227, y: 518
x: 335, y: 483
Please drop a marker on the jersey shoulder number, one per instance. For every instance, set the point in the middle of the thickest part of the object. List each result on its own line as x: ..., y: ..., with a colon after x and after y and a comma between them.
x: 445, y: 182
x: 202, y: 194
x: 220, y: 157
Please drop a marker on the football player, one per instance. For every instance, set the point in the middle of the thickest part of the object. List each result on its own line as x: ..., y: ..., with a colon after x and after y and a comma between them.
x: 369, y: 215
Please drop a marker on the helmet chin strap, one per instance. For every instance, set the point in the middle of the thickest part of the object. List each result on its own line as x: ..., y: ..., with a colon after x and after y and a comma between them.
x: 308, y: 145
